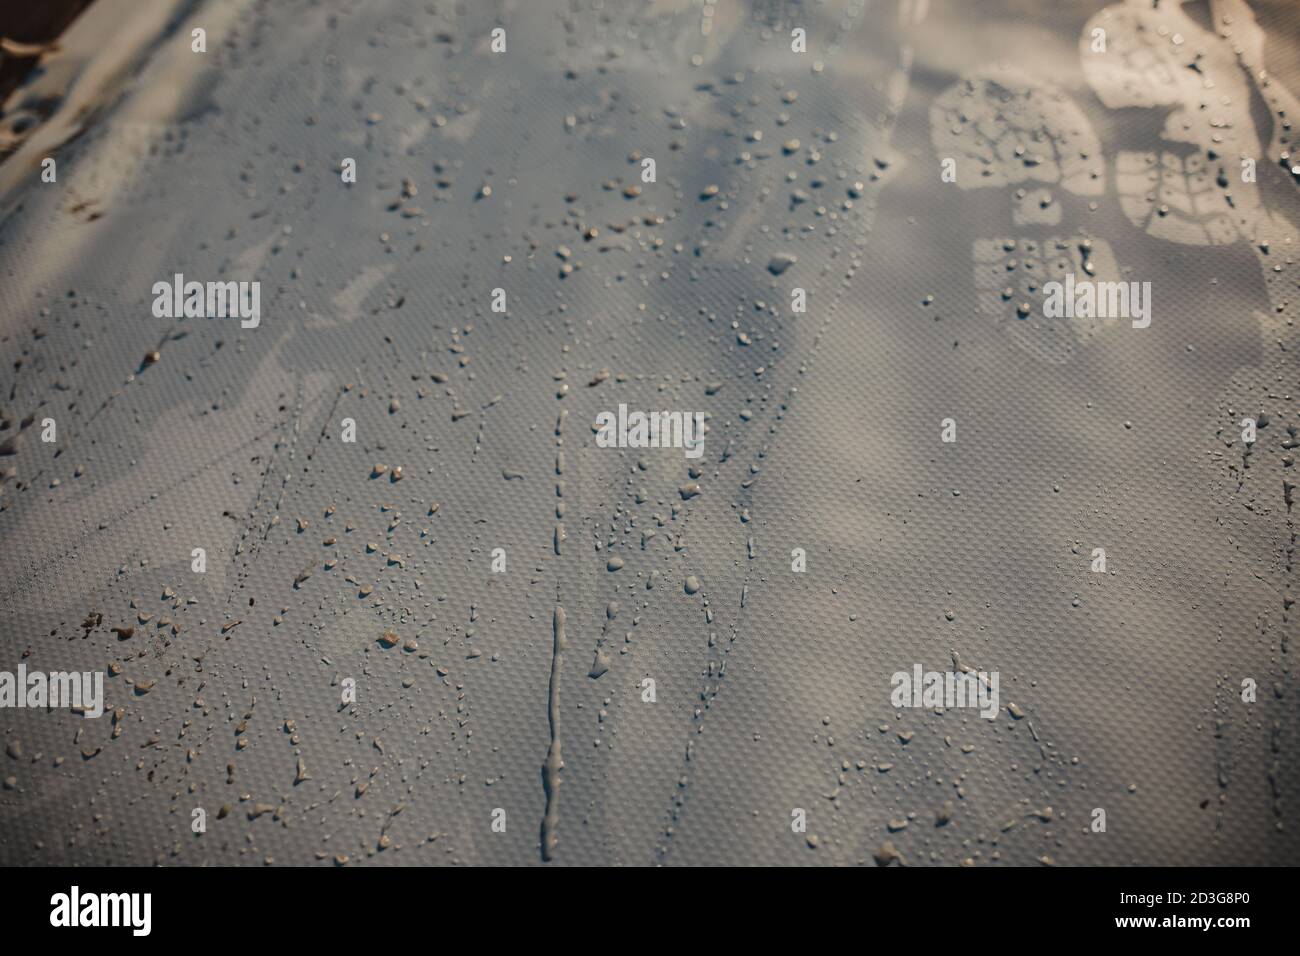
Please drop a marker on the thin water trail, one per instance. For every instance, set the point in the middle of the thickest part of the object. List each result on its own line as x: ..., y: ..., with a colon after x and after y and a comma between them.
x: 554, y: 761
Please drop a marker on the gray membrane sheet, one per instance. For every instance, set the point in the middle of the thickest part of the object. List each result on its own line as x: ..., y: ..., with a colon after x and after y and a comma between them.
x: 359, y: 676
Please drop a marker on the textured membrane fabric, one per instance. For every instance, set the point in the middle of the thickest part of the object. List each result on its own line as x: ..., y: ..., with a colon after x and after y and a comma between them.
x: 365, y: 580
